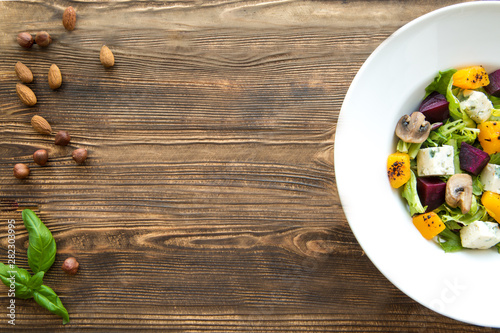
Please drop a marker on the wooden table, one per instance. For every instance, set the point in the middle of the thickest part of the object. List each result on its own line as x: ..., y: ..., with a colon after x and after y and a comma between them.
x: 208, y: 201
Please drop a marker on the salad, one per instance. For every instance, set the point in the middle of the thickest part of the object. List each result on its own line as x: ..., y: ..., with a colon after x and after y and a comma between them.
x: 447, y: 160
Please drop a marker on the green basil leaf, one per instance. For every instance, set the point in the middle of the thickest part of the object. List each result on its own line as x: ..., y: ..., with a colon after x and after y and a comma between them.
x: 42, y: 248
x: 47, y: 298
x: 36, y: 280
x: 11, y: 274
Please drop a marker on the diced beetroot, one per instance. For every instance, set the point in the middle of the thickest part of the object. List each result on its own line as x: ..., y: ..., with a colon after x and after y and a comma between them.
x: 472, y: 159
x: 431, y: 191
x: 494, y: 87
x: 435, y: 107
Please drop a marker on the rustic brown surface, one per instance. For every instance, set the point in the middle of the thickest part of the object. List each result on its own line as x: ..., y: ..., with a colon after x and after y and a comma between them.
x: 208, y: 202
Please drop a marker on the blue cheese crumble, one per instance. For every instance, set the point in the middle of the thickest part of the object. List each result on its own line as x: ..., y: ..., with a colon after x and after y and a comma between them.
x: 435, y: 161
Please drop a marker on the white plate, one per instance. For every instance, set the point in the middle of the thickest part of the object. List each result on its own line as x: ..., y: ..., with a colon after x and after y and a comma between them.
x: 462, y: 285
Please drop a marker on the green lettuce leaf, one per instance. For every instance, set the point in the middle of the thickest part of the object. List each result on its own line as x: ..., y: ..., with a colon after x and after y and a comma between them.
x: 456, y: 157
x: 411, y: 196
x: 495, y: 158
x: 409, y: 148
x: 449, y: 240
x: 455, y: 110
x: 441, y: 82
x: 456, y: 130
x: 476, y: 213
x: 477, y: 186
x: 402, y: 146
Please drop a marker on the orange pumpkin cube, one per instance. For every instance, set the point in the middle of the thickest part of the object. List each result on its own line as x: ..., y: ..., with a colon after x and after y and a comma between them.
x: 471, y: 78
x: 429, y: 224
x: 489, y: 136
x: 491, y: 201
x: 398, y: 169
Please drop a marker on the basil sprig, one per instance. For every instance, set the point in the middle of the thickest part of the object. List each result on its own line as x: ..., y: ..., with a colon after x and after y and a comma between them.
x: 21, y: 279
x: 41, y: 256
x: 47, y: 298
x: 42, y: 248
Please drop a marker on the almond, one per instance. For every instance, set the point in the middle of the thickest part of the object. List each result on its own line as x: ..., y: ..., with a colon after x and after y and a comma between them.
x: 55, y: 77
x: 107, y: 57
x: 23, y: 72
x: 41, y: 125
x: 69, y: 18
x: 26, y: 95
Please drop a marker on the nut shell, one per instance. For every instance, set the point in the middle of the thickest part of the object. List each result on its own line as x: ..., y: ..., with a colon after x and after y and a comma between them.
x: 26, y: 95
x: 21, y: 171
x: 40, y: 157
x: 43, y: 39
x: 25, y: 40
x: 70, y: 266
x: 62, y: 138
x: 54, y: 77
x: 23, y: 73
x: 41, y: 125
x: 106, y: 56
x: 80, y: 155
x: 69, y: 18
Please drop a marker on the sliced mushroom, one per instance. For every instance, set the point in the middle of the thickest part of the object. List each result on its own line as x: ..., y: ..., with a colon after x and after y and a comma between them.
x: 413, y: 128
x: 459, y: 192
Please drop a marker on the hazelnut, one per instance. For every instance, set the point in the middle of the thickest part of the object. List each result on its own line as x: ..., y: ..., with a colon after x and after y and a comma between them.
x: 21, y: 171
x: 40, y: 156
x: 62, y: 138
x: 70, y: 266
x: 25, y: 40
x: 80, y: 155
x: 43, y: 39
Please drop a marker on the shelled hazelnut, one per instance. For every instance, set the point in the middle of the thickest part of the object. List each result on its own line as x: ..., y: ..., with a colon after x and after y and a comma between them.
x: 21, y: 171
x: 62, y: 138
x: 25, y: 40
x: 80, y: 155
x: 43, y: 39
x: 40, y: 156
x: 70, y: 266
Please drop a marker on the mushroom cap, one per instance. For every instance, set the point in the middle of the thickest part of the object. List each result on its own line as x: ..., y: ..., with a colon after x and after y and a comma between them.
x: 459, y: 192
x: 413, y: 128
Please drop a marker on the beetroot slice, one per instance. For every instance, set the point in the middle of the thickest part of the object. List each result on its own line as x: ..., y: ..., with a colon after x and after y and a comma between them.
x: 494, y: 87
x: 472, y: 159
x: 431, y: 191
x: 435, y: 107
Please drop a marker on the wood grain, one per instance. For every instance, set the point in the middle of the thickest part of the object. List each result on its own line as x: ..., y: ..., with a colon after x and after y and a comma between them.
x: 208, y: 202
